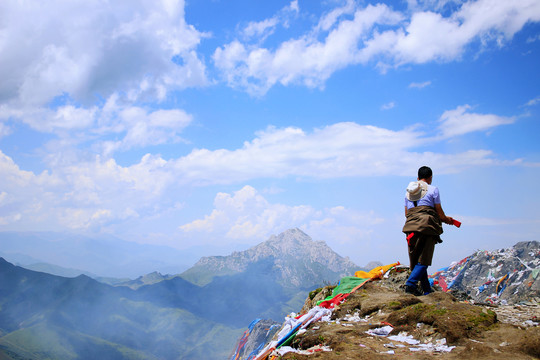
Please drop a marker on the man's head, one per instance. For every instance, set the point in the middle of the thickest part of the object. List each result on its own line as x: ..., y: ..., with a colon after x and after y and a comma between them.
x: 425, y: 173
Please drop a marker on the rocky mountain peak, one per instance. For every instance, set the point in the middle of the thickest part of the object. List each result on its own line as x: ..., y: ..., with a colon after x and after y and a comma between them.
x: 293, y: 253
x: 290, y: 236
x: 291, y: 243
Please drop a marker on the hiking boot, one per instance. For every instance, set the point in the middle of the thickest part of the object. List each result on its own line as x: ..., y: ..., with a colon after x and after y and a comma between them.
x: 430, y: 291
x: 412, y: 290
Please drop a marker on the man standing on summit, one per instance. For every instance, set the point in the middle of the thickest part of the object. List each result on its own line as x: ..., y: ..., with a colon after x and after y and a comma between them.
x: 423, y: 228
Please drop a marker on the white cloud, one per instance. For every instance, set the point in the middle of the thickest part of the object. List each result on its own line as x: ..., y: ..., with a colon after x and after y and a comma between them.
x: 260, y: 30
x: 4, y: 130
x: 428, y: 37
x: 85, y: 191
x: 460, y: 121
x: 388, y: 106
x: 14, y: 177
x: 431, y: 37
x: 5, y: 220
x: 64, y: 118
x: 83, y: 194
x: 352, y: 36
x: 23, y: 192
x: 304, y: 60
x: 131, y: 126
x: 327, y: 21
x: 532, y: 39
x: 421, y: 85
x: 143, y: 128
x: 338, y: 150
x: 86, y: 49
x: 533, y: 102
x: 103, y: 192
x: 246, y: 215
x: 293, y: 6
x: 82, y: 219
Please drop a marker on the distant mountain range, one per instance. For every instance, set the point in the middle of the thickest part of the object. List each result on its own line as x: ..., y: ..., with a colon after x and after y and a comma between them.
x: 195, y: 315
x: 49, y: 317
x: 105, y: 256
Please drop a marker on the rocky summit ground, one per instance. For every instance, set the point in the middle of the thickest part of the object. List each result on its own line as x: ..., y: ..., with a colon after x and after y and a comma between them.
x: 380, y: 321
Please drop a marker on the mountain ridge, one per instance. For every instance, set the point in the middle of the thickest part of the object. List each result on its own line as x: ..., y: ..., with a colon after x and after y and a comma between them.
x: 104, y: 256
x: 158, y: 316
x: 113, y: 322
x: 290, y: 247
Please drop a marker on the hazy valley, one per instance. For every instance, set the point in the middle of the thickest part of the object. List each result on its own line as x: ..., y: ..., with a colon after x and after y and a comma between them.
x: 197, y: 314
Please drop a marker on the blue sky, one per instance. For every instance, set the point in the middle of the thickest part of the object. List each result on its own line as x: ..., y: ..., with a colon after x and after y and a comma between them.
x: 215, y: 124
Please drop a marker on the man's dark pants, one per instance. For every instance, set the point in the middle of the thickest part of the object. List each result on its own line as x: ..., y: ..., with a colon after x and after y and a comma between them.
x: 421, y: 248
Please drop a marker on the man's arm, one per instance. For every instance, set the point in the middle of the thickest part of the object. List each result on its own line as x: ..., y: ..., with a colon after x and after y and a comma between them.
x: 405, y: 211
x: 442, y: 215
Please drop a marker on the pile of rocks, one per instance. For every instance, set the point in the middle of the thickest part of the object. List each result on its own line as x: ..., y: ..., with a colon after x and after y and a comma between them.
x: 505, y: 276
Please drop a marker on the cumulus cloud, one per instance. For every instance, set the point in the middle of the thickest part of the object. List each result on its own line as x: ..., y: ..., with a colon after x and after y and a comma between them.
x: 43, y: 119
x: 23, y: 192
x: 351, y: 35
x: 140, y: 127
x: 82, y: 195
x: 132, y: 126
x: 260, y: 28
x: 86, y: 49
x: 460, y: 121
x: 303, y: 60
x: 334, y: 151
x: 84, y: 192
x: 246, y: 215
x: 85, y: 66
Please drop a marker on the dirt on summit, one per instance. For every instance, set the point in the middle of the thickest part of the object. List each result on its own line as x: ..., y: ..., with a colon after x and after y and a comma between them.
x: 439, y: 325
